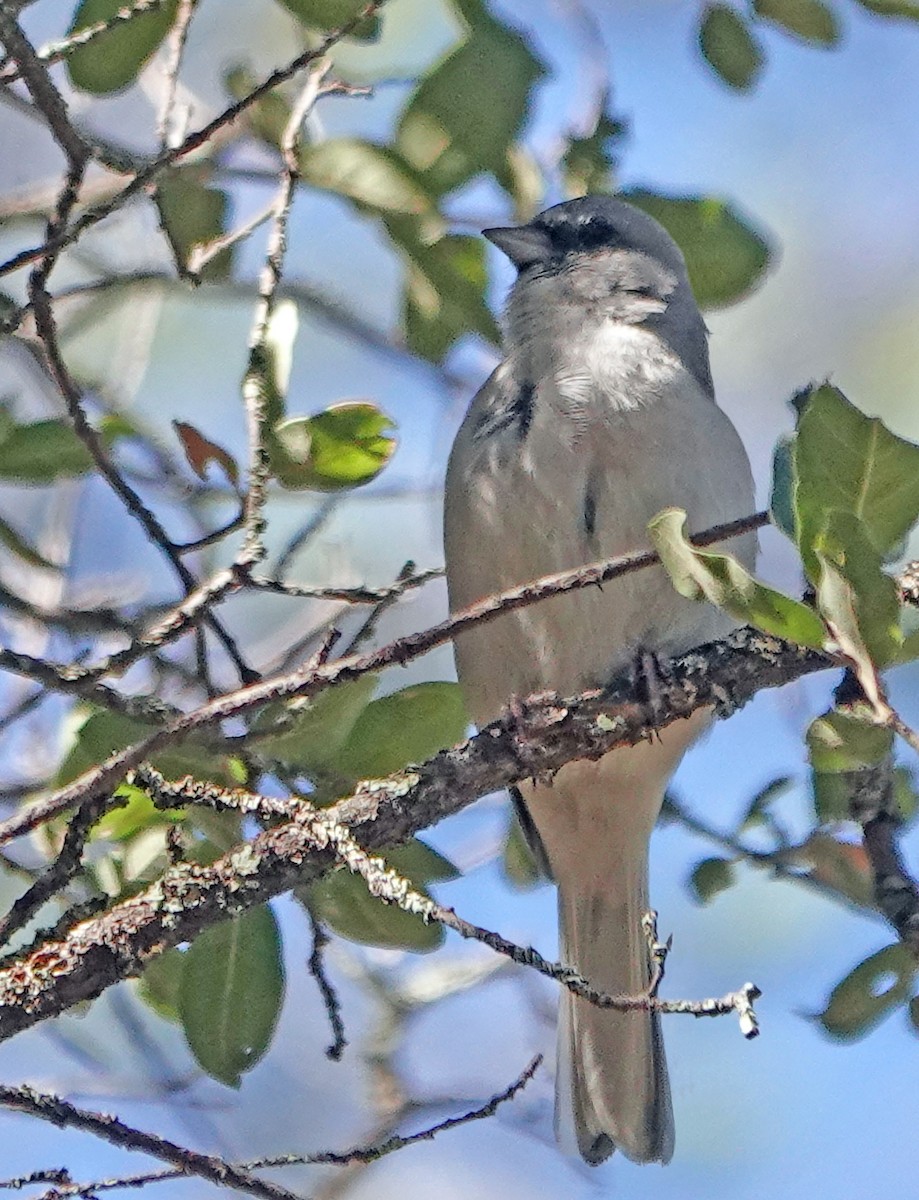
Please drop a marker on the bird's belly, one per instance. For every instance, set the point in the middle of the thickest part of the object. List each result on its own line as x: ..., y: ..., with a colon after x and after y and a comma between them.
x: 557, y: 506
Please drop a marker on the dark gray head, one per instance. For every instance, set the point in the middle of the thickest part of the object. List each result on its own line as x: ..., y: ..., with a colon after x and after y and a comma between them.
x: 586, y: 226
x: 603, y: 259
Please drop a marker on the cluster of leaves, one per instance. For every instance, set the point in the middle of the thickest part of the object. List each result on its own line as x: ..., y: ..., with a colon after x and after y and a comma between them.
x: 227, y: 988
x: 846, y: 491
x: 463, y: 120
x: 730, y: 41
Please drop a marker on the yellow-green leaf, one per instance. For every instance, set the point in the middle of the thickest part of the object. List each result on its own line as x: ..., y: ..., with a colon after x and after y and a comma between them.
x: 709, y: 877
x: 343, y: 447
x: 722, y: 580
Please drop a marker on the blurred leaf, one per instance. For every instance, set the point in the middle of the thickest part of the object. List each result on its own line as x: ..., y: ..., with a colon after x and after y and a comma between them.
x: 231, y: 991
x: 892, y: 8
x: 729, y: 47
x: 268, y: 116
x: 758, y: 809
x: 160, y: 984
x: 374, y: 177
x: 811, y: 20
x: 103, y: 732
x: 867, y: 994
x: 833, y: 793
x: 522, y: 178
x: 200, y: 451
x: 342, y: 901
x: 315, y: 730
x: 905, y: 795
x: 720, y: 579
x: 42, y: 452
x: 137, y: 813
x: 17, y: 544
x: 587, y: 164
x: 782, y: 499
x: 343, y: 447
x: 193, y: 215
x: 445, y: 291
x: 858, y: 601
x: 517, y: 860
x: 467, y: 110
x: 725, y: 256
x: 709, y: 877
x: 405, y: 727
x: 114, y: 59
x: 333, y: 14
x: 840, y: 865
x: 848, y: 739
x: 847, y: 461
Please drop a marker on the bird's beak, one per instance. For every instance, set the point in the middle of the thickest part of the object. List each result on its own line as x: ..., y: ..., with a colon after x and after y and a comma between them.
x: 523, y: 244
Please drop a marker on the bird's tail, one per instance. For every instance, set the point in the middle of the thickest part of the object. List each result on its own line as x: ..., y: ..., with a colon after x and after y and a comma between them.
x: 612, y: 1090
x: 594, y: 824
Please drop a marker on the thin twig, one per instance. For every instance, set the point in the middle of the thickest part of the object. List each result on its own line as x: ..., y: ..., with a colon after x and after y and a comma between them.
x: 65, y: 1187
x: 193, y: 141
x: 187, y: 1162
x: 310, y: 680
x: 330, y: 999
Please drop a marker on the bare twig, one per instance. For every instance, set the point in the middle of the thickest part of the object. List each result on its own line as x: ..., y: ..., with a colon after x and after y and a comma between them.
x: 330, y: 999
x: 54, y: 52
x: 65, y: 1187
x: 193, y: 141
x: 310, y: 680
x: 177, y: 39
x: 59, y: 1112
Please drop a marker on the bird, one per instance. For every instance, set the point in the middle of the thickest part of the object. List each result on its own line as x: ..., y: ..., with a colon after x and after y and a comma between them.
x: 601, y: 414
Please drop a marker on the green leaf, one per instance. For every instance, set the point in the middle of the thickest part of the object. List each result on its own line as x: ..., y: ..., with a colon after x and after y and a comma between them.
x: 709, y: 877
x: 267, y: 117
x: 445, y: 291
x: 729, y: 47
x: 859, y: 602
x: 160, y: 984
x: 333, y: 14
x: 720, y: 579
x: 113, y: 60
x: 405, y: 727
x: 103, y: 733
x: 848, y: 739
x: 811, y: 20
x: 341, y: 900
x: 517, y: 861
x: 137, y: 813
x: 758, y: 809
x: 231, y: 992
x: 892, y: 8
x: 313, y: 731
x: 42, y: 452
x: 467, y: 111
x: 375, y: 177
x: 343, y: 447
x: 867, y: 994
x: 847, y: 461
x: 588, y: 161
x: 782, y: 498
x: 725, y: 255
x: 193, y: 215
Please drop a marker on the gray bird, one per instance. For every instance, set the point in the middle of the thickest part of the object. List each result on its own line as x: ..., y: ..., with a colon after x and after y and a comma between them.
x: 601, y: 414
